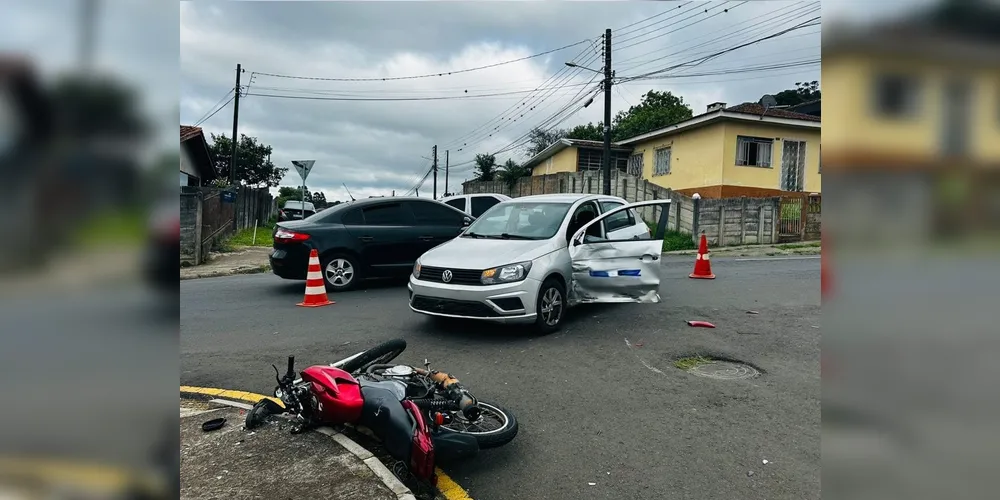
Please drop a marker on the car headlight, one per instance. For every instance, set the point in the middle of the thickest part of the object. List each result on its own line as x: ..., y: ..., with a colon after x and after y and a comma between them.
x: 416, y: 269
x: 506, y: 274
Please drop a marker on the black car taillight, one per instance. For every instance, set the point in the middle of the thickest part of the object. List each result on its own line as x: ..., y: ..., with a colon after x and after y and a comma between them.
x: 287, y: 236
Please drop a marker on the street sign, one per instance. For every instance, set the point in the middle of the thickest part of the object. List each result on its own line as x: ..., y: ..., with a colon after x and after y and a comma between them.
x: 303, y: 167
x: 228, y: 196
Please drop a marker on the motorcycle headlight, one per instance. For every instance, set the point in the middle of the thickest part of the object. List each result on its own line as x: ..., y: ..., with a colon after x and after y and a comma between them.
x: 416, y: 269
x: 506, y: 274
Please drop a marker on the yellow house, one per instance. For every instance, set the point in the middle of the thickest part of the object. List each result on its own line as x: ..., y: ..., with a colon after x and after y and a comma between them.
x: 575, y: 155
x: 732, y: 151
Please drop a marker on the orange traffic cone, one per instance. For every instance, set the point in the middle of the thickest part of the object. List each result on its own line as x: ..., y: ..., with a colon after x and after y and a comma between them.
x: 702, y: 266
x: 315, y: 289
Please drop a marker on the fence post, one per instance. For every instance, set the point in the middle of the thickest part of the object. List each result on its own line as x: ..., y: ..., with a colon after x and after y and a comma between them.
x: 624, y: 190
x: 198, y: 221
x: 775, y: 216
x: 803, y: 216
x: 722, y: 223
x: 743, y: 220
x: 760, y: 224
x: 695, y: 218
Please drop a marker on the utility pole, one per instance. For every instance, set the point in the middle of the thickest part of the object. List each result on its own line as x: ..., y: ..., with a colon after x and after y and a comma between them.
x: 607, y: 112
x: 435, y: 172
x: 236, y: 120
x: 446, y: 172
x: 88, y: 26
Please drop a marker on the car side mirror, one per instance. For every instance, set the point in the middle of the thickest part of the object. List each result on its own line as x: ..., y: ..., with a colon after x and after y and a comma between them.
x: 466, y: 221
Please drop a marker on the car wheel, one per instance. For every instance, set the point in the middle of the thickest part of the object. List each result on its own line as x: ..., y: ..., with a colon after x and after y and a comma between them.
x: 341, y: 272
x: 550, y: 306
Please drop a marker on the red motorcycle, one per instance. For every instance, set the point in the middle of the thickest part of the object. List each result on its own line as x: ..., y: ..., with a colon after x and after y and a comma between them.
x: 422, y: 416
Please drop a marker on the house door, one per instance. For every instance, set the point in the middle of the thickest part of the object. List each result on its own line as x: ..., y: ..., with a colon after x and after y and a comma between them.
x: 793, y: 165
x: 955, y: 126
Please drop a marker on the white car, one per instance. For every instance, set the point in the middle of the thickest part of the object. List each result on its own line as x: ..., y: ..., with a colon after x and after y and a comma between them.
x: 475, y: 204
x: 529, y: 258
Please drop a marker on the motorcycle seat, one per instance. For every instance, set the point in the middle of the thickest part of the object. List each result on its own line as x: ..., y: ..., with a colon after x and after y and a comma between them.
x: 385, y: 415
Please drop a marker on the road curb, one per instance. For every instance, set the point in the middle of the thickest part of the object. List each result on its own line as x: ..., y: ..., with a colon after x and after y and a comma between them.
x: 266, y: 268
x: 446, y: 486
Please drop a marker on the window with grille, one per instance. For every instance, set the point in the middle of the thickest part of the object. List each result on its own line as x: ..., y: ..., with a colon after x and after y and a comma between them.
x: 661, y: 163
x: 754, y: 151
x: 635, y: 164
x: 593, y: 159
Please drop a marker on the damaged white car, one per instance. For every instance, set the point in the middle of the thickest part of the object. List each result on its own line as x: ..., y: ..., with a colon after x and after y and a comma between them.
x: 527, y: 259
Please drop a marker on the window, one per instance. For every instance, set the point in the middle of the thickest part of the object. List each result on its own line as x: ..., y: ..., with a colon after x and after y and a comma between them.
x: 390, y: 214
x: 661, y: 162
x: 481, y: 204
x: 619, y: 220
x: 458, y: 203
x: 584, y: 214
x: 635, y: 164
x: 754, y: 151
x: 593, y: 159
x: 353, y: 218
x: 895, y: 96
x: 429, y: 213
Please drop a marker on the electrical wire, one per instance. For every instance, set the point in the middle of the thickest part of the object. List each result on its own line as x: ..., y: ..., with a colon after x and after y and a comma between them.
x: 429, y: 75
x: 618, y: 31
x: 661, y: 35
x: 220, y: 108
x: 208, y: 114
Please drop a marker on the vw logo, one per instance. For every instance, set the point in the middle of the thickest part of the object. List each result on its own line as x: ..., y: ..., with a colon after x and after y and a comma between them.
x: 446, y: 276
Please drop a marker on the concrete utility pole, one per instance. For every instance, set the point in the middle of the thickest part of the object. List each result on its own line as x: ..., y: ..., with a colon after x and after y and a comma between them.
x: 236, y: 119
x: 607, y: 112
x: 446, y: 172
x: 435, y: 168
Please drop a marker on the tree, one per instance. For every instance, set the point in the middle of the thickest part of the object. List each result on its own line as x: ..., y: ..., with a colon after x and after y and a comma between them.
x: 89, y: 108
x: 286, y: 193
x: 539, y: 139
x: 655, y: 110
x: 319, y: 200
x: 588, y: 132
x: 511, y: 171
x: 486, y: 165
x: 803, y: 92
x: 253, y: 168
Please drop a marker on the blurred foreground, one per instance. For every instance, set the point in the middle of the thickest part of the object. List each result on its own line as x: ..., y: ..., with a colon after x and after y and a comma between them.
x: 912, y: 164
x: 88, y: 349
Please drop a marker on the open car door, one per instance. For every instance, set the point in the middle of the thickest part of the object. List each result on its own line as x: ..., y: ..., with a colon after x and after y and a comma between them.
x: 610, y: 271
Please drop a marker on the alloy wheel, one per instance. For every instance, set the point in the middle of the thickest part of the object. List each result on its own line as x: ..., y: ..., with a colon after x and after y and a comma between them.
x: 339, y: 272
x: 552, y: 306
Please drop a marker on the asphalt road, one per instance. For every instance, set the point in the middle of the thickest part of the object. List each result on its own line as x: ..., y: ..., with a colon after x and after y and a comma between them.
x: 598, y: 402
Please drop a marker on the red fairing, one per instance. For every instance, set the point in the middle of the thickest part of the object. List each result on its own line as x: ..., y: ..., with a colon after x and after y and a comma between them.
x: 337, y: 392
x: 422, y: 454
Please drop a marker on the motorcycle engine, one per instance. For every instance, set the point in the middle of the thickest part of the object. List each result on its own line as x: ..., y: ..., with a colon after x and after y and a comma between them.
x: 398, y: 371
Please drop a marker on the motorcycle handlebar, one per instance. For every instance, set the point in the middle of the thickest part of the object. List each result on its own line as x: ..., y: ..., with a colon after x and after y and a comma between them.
x: 291, y: 366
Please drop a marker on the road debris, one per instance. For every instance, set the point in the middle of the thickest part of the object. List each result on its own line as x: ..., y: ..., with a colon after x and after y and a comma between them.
x: 765, y: 462
x: 703, y: 324
x: 749, y: 473
x: 592, y: 484
x: 753, y: 312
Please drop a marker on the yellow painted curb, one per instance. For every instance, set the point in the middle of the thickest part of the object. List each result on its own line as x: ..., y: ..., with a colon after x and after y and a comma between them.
x: 449, y: 488
x: 248, y: 397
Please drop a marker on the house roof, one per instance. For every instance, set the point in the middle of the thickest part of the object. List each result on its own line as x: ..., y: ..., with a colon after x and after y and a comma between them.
x: 189, y: 132
x: 564, y: 143
x: 752, y: 108
x: 748, y: 111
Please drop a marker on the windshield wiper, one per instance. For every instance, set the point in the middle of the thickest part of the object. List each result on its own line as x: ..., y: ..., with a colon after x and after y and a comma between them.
x: 508, y: 236
x: 474, y: 235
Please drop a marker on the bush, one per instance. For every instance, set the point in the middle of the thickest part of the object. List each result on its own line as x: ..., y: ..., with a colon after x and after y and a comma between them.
x: 675, y: 240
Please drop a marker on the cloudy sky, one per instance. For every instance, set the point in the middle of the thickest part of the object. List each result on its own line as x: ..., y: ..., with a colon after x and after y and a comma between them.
x: 377, y: 146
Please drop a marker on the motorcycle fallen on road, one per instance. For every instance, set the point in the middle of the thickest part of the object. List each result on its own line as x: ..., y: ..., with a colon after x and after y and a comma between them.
x: 422, y: 416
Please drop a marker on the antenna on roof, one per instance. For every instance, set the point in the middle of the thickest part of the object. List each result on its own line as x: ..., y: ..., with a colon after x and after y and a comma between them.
x: 349, y: 192
x: 767, y: 101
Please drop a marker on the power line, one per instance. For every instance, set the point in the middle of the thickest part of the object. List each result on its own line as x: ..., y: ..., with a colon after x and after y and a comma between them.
x: 625, y: 38
x: 661, y: 35
x: 421, y: 98
x: 362, y: 93
x: 208, y: 114
x: 429, y: 75
x: 616, y: 30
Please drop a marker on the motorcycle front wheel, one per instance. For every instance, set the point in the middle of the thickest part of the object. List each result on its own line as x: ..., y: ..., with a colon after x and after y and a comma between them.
x: 378, y: 355
x: 495, y: 427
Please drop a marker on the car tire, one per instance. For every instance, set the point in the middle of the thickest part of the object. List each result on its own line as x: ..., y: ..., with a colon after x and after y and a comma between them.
x: 551, y: 289
x: 343, y: 262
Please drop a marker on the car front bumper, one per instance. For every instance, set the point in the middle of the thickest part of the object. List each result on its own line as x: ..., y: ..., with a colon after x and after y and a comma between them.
x: 506, y: 303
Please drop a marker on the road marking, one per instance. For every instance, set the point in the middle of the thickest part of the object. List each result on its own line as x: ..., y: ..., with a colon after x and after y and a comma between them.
x: 802, y: 257
x: 449, y: 488
x: 446, y: 485
x: 644, y: 363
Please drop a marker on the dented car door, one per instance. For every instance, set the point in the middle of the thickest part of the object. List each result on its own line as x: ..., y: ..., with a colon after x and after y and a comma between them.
x: 617, y: 270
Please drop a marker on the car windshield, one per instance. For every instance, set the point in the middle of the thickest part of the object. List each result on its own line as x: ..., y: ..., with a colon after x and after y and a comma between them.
x: 519, y: 220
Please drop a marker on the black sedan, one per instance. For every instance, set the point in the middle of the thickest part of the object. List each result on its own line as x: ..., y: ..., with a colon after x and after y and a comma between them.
x: 371, y: 238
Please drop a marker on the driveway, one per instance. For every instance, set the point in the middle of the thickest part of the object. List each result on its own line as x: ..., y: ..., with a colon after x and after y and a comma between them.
x: 599, y: 402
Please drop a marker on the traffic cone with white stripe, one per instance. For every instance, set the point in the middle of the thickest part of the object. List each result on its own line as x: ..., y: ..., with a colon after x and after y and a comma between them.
x: 702, y: 265
x: 315, y: 288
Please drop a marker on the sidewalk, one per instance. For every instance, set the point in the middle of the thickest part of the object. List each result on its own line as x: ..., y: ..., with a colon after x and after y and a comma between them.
x: 245, y: 260
x: 270, y: 462
x: 805, y: 248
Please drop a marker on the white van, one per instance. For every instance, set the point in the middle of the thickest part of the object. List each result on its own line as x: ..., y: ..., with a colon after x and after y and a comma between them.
x: 295, y: 210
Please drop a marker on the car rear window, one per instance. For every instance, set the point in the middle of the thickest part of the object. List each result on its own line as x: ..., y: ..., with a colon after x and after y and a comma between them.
x: 458, y: 203
x: 481, y: 204
x: 390, y: 214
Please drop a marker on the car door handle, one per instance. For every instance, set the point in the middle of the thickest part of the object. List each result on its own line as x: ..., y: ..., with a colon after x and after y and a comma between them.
x: 650, y: 257
x: 367, y: 238
x: 426, y: 238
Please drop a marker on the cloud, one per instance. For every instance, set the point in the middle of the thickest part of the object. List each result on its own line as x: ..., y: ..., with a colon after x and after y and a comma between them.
x: 376, y: 147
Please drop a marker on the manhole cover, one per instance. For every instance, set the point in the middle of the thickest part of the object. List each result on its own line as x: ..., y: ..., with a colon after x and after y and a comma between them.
x: 724, y: 370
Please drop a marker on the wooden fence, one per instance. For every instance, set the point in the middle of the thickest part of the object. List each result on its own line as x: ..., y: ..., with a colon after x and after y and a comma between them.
x: 725, y: 221
x: 206, y: 217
